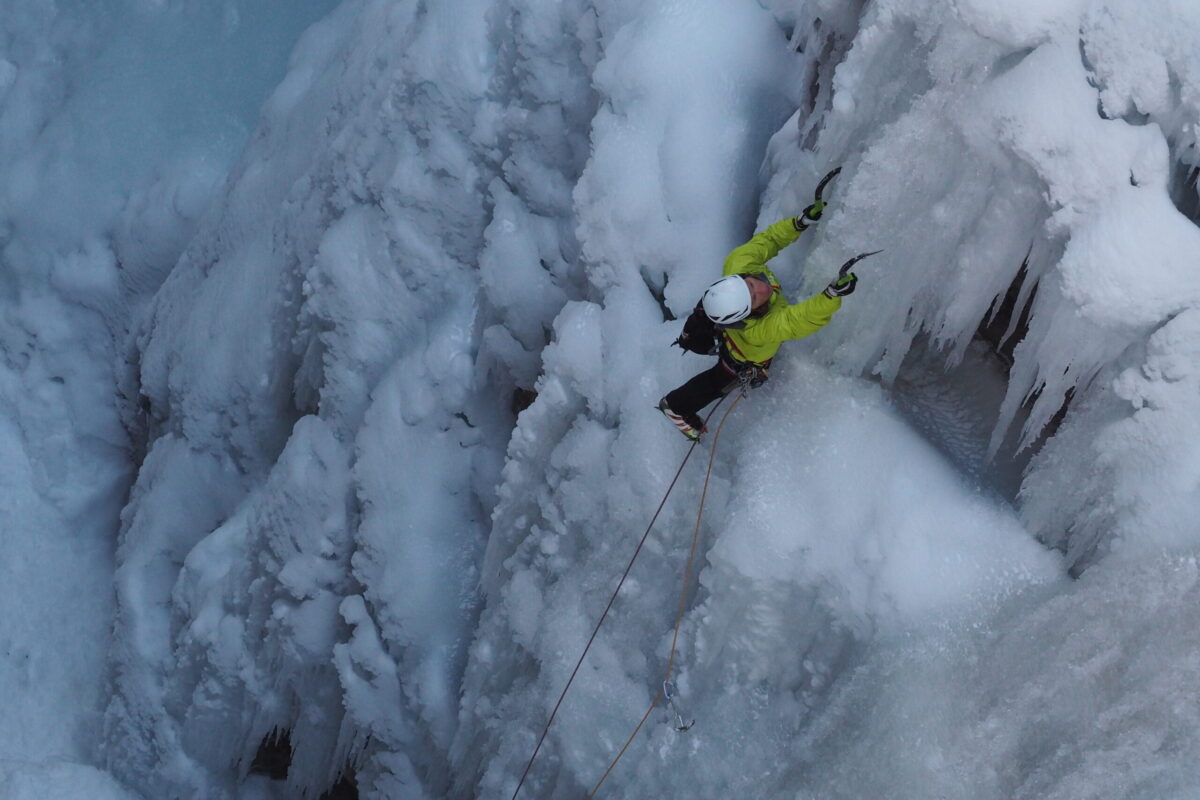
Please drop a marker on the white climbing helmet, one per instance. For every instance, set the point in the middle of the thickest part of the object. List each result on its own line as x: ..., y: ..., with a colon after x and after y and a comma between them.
x: 727, y: 301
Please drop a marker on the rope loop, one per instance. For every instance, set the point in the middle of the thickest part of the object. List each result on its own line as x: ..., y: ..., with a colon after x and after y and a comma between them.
x: 687, y: 575
x: 611, y: 600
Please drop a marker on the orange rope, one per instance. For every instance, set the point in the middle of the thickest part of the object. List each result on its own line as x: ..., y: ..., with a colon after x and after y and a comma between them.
x: 687, y: 575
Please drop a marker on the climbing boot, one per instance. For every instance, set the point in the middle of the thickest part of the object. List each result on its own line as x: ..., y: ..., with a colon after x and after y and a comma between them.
x: 691, y: 428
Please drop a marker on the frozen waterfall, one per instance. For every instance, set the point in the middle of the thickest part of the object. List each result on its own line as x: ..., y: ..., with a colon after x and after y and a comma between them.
x: 332, y: 335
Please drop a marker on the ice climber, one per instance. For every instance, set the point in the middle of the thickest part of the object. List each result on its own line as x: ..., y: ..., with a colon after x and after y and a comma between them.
x: 744, y: 317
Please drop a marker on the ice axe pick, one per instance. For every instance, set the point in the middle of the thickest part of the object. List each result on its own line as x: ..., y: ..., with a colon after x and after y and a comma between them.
x: 845, y: 270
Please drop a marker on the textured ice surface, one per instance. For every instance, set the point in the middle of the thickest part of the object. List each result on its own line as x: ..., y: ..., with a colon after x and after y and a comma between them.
x: 334, y: 523
x: 117, y: 122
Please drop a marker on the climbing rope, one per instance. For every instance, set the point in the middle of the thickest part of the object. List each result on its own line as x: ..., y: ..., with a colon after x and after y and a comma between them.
x: 687, y: 575
x: 620, y: 583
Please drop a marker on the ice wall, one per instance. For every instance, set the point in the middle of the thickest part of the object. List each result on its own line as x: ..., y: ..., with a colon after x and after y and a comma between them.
x: 1075, y: 693
x: 324, y: 384
x: 1052, y: 148
x: 816, y: 545
x: 342, y: 530
x: 117, y: 120
x: 983, y: 147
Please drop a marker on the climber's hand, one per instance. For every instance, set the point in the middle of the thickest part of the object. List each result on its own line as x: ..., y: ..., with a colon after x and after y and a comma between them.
x: 810, y: 215
x: 842, y: 286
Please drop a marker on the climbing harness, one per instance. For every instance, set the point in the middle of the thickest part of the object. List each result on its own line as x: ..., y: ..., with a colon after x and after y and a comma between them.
x: 667, y: 687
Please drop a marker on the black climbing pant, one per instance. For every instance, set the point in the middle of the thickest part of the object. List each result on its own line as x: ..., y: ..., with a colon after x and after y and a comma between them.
x: 688, y: 399
x: 723, y: 378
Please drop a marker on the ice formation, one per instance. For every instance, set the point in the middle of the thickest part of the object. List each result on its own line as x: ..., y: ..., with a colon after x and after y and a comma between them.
x: 343, y: 375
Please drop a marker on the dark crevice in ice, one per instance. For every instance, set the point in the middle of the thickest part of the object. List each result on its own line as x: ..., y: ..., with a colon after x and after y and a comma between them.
x: 274, y: 759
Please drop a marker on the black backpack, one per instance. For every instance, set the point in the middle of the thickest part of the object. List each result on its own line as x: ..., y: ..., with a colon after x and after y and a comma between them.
x: 700, y: 334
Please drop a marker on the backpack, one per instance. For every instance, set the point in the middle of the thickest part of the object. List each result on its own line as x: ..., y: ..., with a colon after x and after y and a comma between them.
x: 700, y: 334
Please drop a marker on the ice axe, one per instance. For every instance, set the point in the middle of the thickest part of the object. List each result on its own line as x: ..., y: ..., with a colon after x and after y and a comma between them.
x: 813, y: 212
x: 833, y: 173
x: 845, y: 281
x: 846, y: 267
x: 820, y: 199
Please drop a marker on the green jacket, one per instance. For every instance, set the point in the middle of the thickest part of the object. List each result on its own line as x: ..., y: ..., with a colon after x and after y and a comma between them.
x: 757, y: 338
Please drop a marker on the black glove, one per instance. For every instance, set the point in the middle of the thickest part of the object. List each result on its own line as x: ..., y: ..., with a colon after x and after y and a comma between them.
x: 704, y: 345
x: 842, y: 286
x: 699, y: 334
x: 846, y: 280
